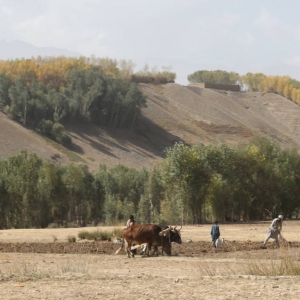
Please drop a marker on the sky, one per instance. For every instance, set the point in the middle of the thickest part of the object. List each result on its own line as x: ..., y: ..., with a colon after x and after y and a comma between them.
x: 184, y: 35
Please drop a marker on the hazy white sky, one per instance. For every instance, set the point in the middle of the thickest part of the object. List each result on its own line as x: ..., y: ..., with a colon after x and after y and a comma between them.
x: 188, y: 35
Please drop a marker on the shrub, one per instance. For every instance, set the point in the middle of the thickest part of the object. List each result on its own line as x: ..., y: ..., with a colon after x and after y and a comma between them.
x: 64, y: 139
x: 71, y: 238
x: 96, y: 235
x: 45, y: 127
x: 117, y: 232
x: 99, y: 235
x: 83, y: 234
x: 59, y: 134
x: 6, y: 110
x: 57, y: 129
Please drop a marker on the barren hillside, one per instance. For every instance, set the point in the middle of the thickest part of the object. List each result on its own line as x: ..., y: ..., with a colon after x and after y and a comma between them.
x: 209, y: 116
x: 173, y: 113
x: 14, y: 138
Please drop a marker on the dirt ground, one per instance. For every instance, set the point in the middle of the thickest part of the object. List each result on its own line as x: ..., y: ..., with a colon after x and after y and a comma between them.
x: 41, y: 264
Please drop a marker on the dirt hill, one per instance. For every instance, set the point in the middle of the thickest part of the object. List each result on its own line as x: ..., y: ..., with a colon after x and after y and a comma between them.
x: 174, y: 113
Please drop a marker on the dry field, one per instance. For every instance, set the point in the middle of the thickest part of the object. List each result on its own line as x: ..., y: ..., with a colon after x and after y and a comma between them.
x: 40, y: 264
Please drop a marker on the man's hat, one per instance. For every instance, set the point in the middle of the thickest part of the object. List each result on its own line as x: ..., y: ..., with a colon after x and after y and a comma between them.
x: 281, y: 217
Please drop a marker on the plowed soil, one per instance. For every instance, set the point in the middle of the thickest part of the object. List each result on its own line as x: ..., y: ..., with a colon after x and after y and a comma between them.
x: 192, y: 249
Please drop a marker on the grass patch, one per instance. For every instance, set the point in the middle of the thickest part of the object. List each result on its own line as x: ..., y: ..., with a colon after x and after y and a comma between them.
x: 117, y: 232
x: 71, y: 238
x: 70, y: 154
x: 74, y: 267
x: 22, y: 271
x: 96, y: 235
x: 83, y: 234
x: 286, y: 265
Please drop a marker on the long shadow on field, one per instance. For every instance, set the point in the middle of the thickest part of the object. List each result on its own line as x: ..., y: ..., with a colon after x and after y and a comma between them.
x: 147, y: 139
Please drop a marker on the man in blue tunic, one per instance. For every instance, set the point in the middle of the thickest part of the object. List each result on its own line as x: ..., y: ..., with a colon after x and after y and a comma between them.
x: 215, y: 233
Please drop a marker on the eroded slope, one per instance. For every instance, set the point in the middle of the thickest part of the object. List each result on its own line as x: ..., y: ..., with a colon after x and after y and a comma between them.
x: 173, y: 113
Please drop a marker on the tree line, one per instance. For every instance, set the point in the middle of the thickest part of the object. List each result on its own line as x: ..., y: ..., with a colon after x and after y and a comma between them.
x: 216, y: 77
x: 254, y: 82
x: 282, y: 85
x: 47, y: 93
x: 192, y: 185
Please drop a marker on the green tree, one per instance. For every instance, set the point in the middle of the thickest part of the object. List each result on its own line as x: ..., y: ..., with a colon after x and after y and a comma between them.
x: 51, y: 194
x: 186, y: 172
x: 19, y: 97
x: 22, y: 177
x: 5, y: 204
x: 154, y: 194
x: 110, y: 209
x: 144, y: 210
x: 73, y: 181
x: 4, y: 87
x: 217, y: 77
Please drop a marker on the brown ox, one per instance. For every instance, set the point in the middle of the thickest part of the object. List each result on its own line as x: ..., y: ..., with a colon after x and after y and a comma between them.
x: 151, y: 234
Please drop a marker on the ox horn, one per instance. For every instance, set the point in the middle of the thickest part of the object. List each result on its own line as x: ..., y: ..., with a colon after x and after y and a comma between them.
x: 165, y: 232
x: 179, y: 228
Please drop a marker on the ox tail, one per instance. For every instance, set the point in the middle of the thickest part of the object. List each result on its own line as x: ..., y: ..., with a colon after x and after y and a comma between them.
x: 118, y: 251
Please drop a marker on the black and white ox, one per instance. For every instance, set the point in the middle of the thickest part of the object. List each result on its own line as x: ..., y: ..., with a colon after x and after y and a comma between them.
x: 152, y: 235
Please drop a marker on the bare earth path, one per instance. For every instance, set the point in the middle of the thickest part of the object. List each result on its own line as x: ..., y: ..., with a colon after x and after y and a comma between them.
x: 194, y: 271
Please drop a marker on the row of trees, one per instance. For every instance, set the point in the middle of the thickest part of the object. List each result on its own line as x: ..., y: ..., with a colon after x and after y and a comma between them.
x: 282, y: 85
x: 250, y: 182
x: 192, y: 185
x: 254, y: 82
x: 154, y: 75
x: 46, y: 94
x: 217, y: 77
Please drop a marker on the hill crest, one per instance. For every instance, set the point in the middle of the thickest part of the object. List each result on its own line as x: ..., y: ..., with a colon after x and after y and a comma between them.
x: 173, y: 113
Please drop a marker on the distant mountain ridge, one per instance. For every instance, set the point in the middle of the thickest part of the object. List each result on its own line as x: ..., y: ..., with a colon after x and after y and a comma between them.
x: 20, y: 49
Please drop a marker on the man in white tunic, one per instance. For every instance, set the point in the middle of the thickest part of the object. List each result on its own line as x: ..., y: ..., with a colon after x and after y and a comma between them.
x: 131, y: 221
x: 274, y: 230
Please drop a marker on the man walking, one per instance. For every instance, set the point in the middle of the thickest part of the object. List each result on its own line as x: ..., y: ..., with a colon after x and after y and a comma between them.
x: 215, y: 233
x: 274, y: 230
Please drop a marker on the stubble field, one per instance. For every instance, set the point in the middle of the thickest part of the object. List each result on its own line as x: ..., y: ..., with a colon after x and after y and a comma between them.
x: 41, y: 264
